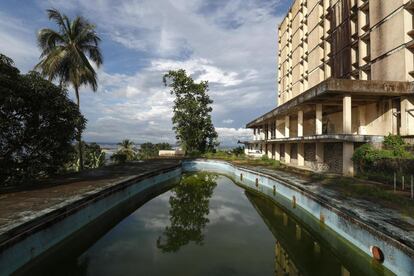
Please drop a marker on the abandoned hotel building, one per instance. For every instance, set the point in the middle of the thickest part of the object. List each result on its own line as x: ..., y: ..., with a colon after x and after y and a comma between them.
x: 345, y: 77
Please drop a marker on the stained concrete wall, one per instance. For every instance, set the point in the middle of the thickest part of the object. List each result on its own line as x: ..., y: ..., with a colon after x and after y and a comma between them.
x: 377, y: 120
x: 51, y: 234
x: 361, y: 236
x: 351, y: 39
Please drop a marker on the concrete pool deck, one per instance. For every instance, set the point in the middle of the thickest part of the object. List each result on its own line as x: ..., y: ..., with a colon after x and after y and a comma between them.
x: 18, y: 208
x: 383, y: 219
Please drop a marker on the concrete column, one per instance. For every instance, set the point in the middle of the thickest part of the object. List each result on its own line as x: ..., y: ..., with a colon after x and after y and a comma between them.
x: 301, y: 154
x: 287, y: 153
x: 287, y: 126
x: 347, y: 163
x: 269, y: 131
x: 278, y: 133
x: 277, y: 152
x: 347, y: 115
x: 394, y: 119
x: 362, y: 130
x: 390, y: 118
x: 407, y: 116
x: 300, y: 123
x: 318, y: 118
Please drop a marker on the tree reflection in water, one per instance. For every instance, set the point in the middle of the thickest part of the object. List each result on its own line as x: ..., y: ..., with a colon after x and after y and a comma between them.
x: 189, y: 207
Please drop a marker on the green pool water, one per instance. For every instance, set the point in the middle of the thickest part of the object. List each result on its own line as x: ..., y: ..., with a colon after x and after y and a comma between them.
x: 206, y: 225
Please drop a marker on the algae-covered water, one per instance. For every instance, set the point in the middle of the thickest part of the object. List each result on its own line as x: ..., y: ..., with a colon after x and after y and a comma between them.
x: 206, y: 225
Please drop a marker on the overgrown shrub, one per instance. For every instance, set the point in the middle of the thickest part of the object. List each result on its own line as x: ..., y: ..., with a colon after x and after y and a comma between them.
x: 397, y: 146
x: 264, y: 158
x: 382, y: 163
x: 93, y: 157
x: 238, y: 151
x: 38, y: 123
x: 149, y: 150
x: 119, y: 158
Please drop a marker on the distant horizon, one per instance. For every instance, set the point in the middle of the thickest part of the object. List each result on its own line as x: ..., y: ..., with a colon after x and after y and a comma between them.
x: 136, y: 143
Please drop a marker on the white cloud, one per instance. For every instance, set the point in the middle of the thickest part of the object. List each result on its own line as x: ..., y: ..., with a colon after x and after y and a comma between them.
x: 233, y: 135
x: 228, y: 121
x: 18, y: 42
x: 202, y: 68
x: 232, y: 44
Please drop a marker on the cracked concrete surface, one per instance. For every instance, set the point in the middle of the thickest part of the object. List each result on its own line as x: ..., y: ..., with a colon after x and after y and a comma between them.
x: 21, y: 207
x: 386, y: 220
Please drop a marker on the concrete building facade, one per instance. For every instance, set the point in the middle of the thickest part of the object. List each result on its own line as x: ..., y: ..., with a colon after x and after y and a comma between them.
x: 345, y: 73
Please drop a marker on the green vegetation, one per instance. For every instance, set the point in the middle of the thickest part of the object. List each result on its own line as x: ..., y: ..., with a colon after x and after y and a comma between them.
x: 150, y: 150
x: 238, y: 157
x: 381, y: 164
x: 64, y: 56
x: 191, y: 120
x: 93, y: 157
x: 126, y: 152
x: 127, y: 147
x: 38, y: 123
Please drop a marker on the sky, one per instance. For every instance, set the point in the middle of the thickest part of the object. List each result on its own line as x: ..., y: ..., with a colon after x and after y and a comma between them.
x: 230, y: 43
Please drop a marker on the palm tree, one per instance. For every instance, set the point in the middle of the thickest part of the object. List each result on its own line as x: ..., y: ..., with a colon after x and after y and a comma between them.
x: 127, y: 147
x: 64, y: 55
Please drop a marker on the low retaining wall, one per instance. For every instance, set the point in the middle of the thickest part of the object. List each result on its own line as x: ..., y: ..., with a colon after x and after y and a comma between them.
x: 20, y: 246
x: 398, y: 258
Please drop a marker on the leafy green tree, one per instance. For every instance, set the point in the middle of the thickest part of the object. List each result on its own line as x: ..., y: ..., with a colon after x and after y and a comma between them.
x: 396, y: 144
x: 147, y: 150
x: 127, y: 148
x: 238, y: 151
x: 64, y: 56
x: 38, y: 124
x: 192, y: 107
x: 189, y: 208
x: 93, y: 156
x: 163, y: 146
x: 150, y: 150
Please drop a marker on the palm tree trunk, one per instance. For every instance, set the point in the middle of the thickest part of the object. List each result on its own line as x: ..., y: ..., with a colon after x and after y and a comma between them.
x: 79, y: 132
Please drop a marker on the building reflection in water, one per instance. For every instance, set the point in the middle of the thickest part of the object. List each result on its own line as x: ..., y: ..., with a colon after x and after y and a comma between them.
x: 283, y: 264
x: 300, y: 252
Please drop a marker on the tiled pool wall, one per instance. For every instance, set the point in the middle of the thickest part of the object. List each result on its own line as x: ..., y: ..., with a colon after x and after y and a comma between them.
x: 360, y: 235
x: 38, y: 242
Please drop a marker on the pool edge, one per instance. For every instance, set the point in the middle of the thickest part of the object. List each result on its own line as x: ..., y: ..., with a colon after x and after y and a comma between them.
x: 399, y: 258
x: 27, y: 241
